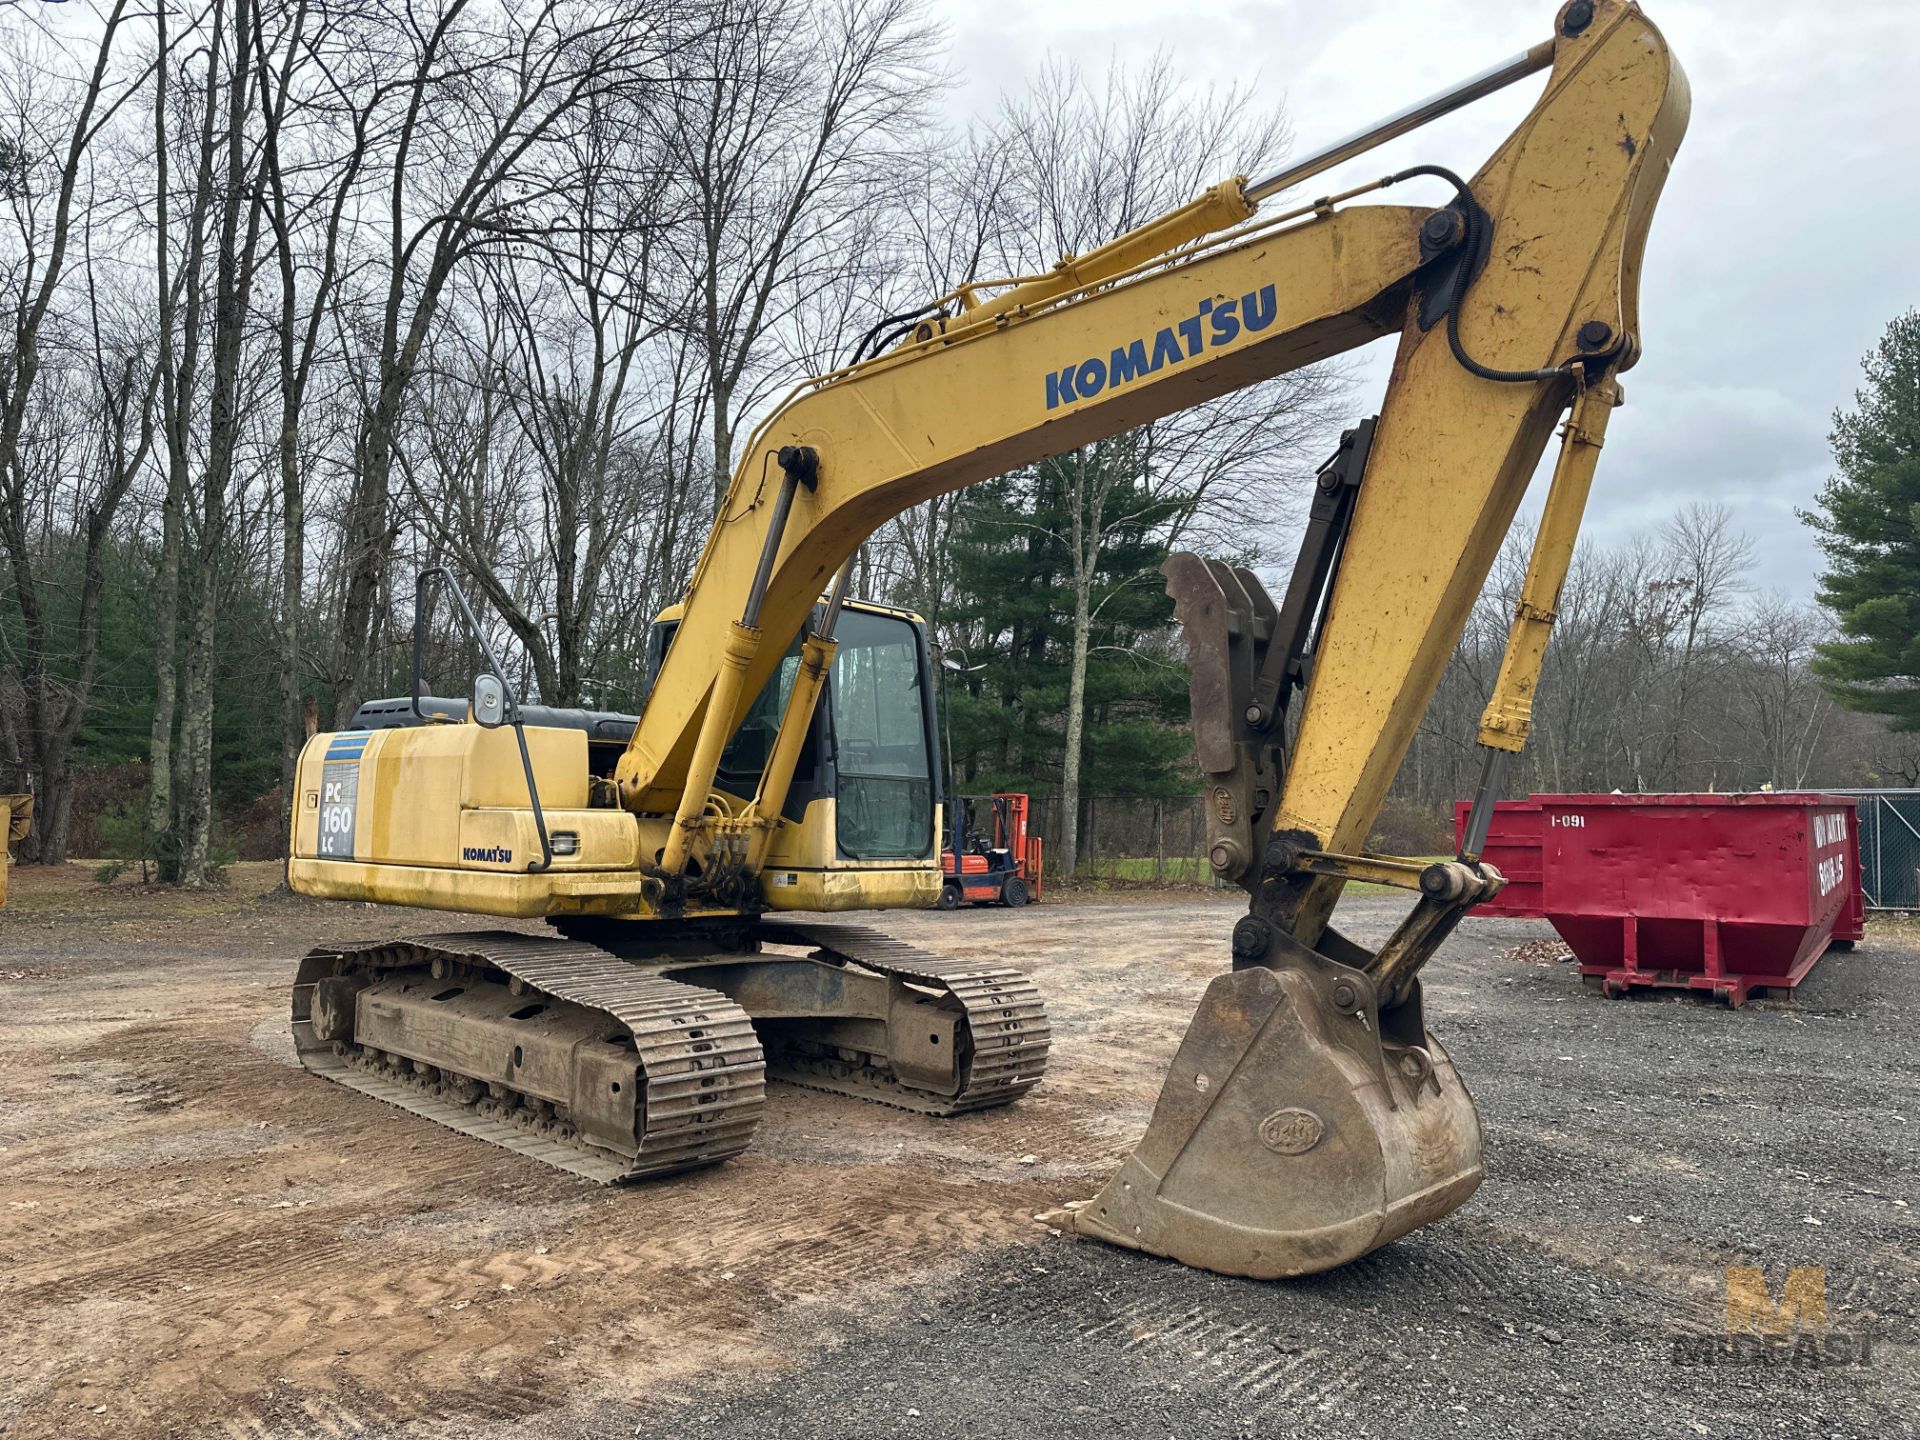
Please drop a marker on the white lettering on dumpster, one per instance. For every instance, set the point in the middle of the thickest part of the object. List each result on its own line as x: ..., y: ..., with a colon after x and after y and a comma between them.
x: 1571, y: 822
x: 1833, y: 870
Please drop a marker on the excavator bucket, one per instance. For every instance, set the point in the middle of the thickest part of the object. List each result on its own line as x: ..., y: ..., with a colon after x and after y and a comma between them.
x: 1309, y: 1117
x: 1276, y: 1150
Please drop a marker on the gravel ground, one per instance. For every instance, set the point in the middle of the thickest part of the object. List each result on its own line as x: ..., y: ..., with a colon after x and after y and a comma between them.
x: 198, y: 1238
x: 1635, y: 1149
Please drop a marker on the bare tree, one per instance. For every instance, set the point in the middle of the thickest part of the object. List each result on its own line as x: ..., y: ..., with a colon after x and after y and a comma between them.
x: 241, y: 218
x: 1780, y: 707
x: 61, y: 129
x: 552, y: 342
x: 774, y: 126
x: 179, y: 261
x: 58, y: 117
x: 318, y: 98
x: 949, y: 230
x: 484, y: 103
x: 1703, y: 560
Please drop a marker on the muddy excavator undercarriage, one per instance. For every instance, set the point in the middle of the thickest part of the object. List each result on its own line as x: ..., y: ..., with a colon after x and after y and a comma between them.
x: 782, y: 766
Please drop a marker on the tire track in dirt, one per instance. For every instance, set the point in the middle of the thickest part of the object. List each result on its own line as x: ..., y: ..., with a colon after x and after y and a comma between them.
x: 268, y: 1308
x: 120, y: 1259
x: 1283, y: 1359
x: 1250, y: 1359
x: 423, y: 1329
x: 779, y: 1258
x: 61, y: 1033
x: 353, y: 1409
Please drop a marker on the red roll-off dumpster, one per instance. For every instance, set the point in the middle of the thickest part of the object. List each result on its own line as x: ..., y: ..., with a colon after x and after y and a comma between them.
x: 1722, y: 893
x: 1512, y: 848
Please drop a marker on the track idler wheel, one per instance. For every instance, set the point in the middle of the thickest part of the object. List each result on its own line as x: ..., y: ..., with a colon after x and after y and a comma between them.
x: 1276, y: 1149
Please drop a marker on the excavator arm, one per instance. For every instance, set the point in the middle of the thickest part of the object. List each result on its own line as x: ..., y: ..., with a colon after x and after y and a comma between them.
x: 985, y: 398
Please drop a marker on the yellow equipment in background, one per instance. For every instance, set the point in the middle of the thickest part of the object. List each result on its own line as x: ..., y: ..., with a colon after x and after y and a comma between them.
x: 783, y: 758
x: 19, y: 812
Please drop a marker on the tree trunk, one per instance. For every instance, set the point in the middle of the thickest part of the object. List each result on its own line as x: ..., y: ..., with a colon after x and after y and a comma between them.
x: 57, y: 732
x: 297, y: 346
x: 166, y: 652
x: 33, y: 670
x: 179, y: 303
x: 293, y: 515
x: 55, y: 708
x: 193, y: 814
x: 1076, y: 726
x: 722, y: 437
x: 53, y: 807
x: 233, y: 261
x: 364, y: 552
x: 162, y: 842
x: 293, y: 519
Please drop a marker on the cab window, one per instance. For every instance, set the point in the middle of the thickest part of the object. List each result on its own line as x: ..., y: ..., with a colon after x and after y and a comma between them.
x: 881, y: 751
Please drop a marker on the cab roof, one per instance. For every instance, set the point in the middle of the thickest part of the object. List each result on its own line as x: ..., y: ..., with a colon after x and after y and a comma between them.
x: 870, y: 607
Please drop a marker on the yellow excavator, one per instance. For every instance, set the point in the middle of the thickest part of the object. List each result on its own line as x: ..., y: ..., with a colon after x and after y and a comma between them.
x: 18, y: 812
x: 783, y: 760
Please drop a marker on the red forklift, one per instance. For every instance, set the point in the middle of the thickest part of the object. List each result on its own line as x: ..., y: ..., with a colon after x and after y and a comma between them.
x: 1001, y: 868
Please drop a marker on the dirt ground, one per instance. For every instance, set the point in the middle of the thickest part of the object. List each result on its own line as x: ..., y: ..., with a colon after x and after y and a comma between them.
x: 196, y: 1237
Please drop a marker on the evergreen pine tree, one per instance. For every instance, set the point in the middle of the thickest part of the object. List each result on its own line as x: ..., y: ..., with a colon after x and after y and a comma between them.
x: 1012, y: 597
x: 1869, y: 526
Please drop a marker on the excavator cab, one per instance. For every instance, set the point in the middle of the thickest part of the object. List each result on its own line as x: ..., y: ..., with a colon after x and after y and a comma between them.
x: 868, y: 747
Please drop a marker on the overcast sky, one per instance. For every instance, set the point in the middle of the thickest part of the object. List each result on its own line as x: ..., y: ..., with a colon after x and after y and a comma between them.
x: 1787, y: 236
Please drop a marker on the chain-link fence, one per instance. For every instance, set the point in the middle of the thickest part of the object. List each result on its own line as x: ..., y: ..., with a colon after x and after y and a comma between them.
x: 1889, y: 847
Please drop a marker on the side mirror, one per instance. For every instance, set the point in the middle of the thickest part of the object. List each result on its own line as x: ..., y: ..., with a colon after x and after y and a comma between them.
x: 489, y: 701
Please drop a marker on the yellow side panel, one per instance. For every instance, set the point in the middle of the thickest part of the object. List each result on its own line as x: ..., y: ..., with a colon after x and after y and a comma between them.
x: 608, y: 839
x: 805, y: 871
x: 810, y: 844
x: 411, y: 786
x: 867, y: 889
x: 476, y: 892
x: 440, y: 821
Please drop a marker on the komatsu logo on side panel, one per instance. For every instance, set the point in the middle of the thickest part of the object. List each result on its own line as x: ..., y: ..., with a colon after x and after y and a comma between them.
x: 491, y: 855
x: 1215, y: 323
